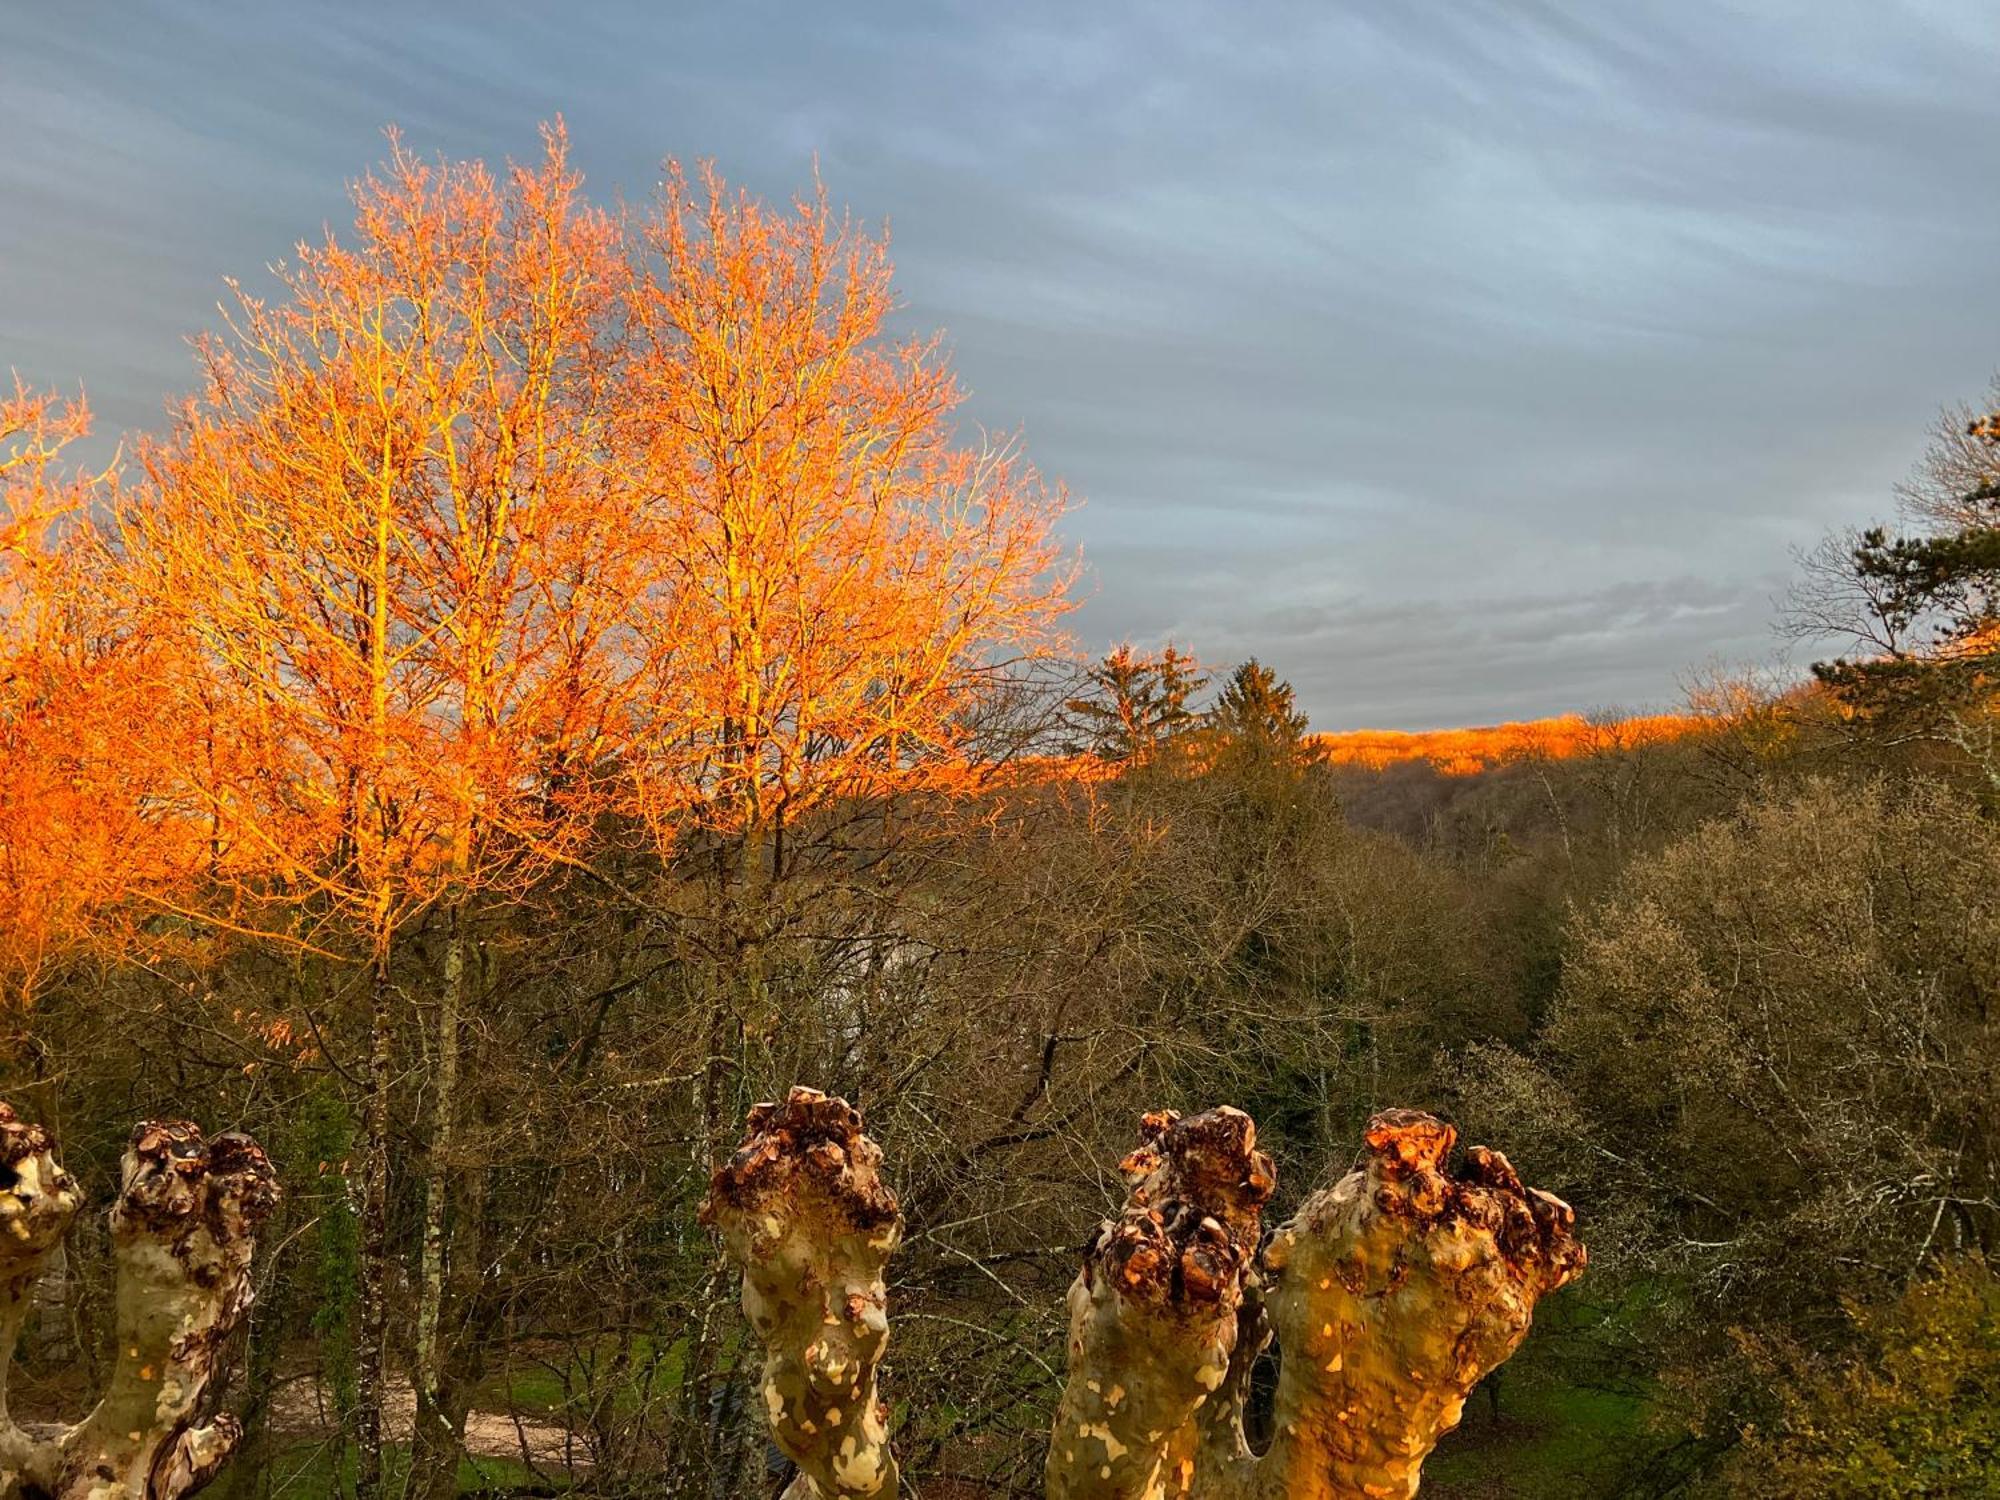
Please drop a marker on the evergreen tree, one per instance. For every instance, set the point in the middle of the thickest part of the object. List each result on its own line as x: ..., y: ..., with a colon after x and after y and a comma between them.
x: 1922, y: 605
x: 1256, y: 705
x: 1135, y: 702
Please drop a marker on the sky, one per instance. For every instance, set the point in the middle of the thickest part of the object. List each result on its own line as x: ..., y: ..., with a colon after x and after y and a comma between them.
x: 1464, y: 361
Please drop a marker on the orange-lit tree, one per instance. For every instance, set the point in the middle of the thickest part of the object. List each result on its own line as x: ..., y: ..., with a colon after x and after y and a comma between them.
x: 389, y: 534
x: 502, y: 517
x: 36, y: 898
x: 851, y: 587
x: 848, y: 580
x: 73, y: 824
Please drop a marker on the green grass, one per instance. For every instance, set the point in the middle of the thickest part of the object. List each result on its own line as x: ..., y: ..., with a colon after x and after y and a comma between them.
x: 1568, y: 1427
x: 1552, y: 1442
x: 307, y: 1472
x: 548, y: 1386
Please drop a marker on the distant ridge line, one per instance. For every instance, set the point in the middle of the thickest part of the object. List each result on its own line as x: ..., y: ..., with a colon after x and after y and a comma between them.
x: 1471, y: 750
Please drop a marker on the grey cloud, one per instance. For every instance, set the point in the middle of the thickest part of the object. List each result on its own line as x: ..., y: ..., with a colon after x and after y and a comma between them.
x: 1464, y: 358
x: 1513, y: 657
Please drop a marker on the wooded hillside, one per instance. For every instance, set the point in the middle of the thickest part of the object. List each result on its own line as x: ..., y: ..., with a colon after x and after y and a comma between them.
x: 563, y: 679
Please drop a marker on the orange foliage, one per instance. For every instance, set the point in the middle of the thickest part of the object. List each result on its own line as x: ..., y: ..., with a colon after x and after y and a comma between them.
x: 507, y: 513
x: 74, y: 829
x: 1466, y: 752
x: 1454, y: 752
x: 504, y: 513
x: 845, y: 580
x: 390, y: 540
x: 35, y: 427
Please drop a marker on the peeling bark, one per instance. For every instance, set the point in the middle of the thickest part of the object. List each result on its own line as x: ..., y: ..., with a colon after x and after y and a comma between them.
x: 1154, y: 1313
x: 183, y: 1232
x: 1391, y: 1295
x: 37, y: 1201
x: 804, y: 1212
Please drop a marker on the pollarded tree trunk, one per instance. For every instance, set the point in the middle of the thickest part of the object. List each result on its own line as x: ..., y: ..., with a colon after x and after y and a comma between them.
x: 1158, y: 1312
x: 805, y: 1213
x: 1391, y: 1295
x: 35, y: 1210
x: 182, y: 1231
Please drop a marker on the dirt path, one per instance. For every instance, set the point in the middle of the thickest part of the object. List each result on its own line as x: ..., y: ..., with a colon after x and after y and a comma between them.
x: 305, y: 1407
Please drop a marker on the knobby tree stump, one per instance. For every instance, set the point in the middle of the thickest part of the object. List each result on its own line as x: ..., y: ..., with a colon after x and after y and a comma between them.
x: 1390, y: 1296
x: 183, y: 1231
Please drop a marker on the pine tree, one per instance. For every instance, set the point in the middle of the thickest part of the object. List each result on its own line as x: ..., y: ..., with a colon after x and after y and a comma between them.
x: 1136, y: 702
x: 1924, y: 604
x: 1257, y: 706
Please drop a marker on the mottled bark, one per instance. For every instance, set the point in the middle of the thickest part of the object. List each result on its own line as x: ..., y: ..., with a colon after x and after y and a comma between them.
x: 183, y: 1231
x: 806, y: 1215
x: 37, y: 1201
x: 1154, y: 1313
x: 1390, y: 1294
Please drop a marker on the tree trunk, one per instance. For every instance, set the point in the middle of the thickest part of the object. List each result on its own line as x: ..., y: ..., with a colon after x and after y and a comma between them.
x: 439, y: 1440
x: 1391, y: 1295
x: 182, y: 1233
x: 1154, y: 1313
x: 806, y: 1215
x: 55, y: 1321
x: 35, y: 1211
x: 373, y: 1354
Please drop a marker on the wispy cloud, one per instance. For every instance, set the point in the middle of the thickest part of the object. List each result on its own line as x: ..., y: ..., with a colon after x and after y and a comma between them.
x: 1463, y: 359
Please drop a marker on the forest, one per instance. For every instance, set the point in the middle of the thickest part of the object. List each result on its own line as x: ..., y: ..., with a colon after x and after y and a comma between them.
x: 564, y: 677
